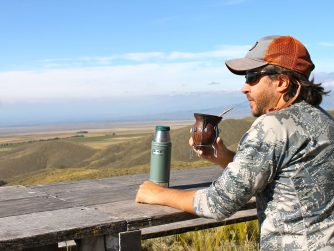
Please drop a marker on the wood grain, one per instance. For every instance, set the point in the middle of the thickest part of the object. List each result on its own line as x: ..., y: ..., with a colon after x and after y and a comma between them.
x: 42, y: 215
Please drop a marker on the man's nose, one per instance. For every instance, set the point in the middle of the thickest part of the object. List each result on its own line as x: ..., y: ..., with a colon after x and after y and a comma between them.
x: 245, y: 88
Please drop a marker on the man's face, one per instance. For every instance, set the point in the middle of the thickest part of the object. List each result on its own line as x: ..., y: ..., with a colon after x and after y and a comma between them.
x: 261, y: 94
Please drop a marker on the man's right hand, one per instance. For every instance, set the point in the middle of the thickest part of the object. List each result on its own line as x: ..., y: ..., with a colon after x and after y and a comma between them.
x: 222, y: 157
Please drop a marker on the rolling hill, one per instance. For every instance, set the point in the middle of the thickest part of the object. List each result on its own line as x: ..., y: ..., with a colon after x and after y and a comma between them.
x: 58, y: 160
x: 30, y: 158
x: 47, y: 156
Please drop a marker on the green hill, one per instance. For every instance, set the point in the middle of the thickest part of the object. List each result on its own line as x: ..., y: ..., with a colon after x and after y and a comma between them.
x: 57, y: 160
x: 64, y: 158
x: 29, y: 158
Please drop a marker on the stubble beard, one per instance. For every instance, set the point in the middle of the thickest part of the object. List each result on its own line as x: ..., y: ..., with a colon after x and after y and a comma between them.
x: 261, y: 105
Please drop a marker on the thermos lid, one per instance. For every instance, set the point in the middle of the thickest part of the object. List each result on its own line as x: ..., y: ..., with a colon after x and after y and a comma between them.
x: 162, y: 128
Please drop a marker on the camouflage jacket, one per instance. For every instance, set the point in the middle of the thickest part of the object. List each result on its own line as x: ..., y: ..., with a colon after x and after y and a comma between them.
x: 286, y: 159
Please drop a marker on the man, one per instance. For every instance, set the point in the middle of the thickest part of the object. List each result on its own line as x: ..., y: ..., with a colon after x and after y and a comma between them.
x: 286, y: 158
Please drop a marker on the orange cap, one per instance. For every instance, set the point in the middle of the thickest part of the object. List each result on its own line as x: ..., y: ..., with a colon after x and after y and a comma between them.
x: 284, y: 51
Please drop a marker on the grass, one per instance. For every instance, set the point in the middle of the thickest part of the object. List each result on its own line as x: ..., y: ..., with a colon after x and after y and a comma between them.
x: 69, y: 174
x: 106, y: 137
x: 236, y: 237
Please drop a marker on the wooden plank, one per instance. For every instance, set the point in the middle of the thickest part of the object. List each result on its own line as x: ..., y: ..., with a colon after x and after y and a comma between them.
x: 125, y: 180
x: 31, y: 205
x: 178, y: 177
x: 195, y: 175
x: 85, y: 193
x: 91, y: 198
x: 91, y: 195
x: 90, y: 192
x: 66, y: 187
x: 49, y: 227
x: 140, y: 215
x: 143, y: 215
x: 96, y: 195
x: 67, y: 244
x: 196, y: 224
x: 17, y: 192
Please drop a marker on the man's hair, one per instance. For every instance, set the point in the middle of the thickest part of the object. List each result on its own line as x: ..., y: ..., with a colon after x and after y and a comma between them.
x: 310, y: 91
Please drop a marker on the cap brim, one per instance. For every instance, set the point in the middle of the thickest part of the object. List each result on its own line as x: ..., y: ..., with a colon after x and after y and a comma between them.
x: 239, y: 66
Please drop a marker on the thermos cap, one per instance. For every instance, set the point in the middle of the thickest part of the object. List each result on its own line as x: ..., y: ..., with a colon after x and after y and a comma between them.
x: 161, y: 134
x: 162, y: 128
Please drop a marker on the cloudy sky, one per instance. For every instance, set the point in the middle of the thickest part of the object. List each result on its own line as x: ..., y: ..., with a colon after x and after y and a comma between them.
x: 89, y: 50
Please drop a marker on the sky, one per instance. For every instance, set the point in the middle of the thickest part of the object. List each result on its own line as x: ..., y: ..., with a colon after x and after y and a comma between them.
x: 63, y: 53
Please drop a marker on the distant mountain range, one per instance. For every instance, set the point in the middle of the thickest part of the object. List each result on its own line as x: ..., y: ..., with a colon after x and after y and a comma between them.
x: 159, y: 107
x: 117, y: 109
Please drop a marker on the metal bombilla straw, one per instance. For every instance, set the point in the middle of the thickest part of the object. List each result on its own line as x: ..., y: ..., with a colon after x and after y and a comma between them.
x: 226, y: 111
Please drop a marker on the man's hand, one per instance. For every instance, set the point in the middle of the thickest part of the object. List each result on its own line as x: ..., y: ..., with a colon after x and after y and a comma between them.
x: 152, y: 193
x: 222, y: 157
x: 148, y: 192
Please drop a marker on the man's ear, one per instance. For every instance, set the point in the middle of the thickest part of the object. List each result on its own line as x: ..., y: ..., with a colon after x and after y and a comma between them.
x: 283, y: 83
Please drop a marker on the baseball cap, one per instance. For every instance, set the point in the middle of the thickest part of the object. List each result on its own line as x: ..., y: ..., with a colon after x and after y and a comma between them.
x: 284, y: 51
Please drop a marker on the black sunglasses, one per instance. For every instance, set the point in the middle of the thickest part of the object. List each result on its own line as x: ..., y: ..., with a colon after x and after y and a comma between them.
x: 253, y: 76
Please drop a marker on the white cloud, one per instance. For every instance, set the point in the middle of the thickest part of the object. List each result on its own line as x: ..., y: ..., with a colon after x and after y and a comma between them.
x: 112, y: 81
x: 142, y: 56
x: 223, y: 52
x: 227, y: 51
x: 129, y: 74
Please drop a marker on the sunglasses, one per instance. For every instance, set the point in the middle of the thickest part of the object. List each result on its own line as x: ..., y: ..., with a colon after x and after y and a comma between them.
x: 253, y: 76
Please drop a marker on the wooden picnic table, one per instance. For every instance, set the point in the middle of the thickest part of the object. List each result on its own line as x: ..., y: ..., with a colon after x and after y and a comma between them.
x: 98, y: 214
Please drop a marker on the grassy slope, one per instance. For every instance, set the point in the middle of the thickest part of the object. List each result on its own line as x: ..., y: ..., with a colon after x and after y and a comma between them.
x: 37, y: 156
x: 51, y: 161
x: 44, y: 162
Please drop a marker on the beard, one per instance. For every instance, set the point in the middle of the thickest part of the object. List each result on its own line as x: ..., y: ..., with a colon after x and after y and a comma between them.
x: 262, y: 104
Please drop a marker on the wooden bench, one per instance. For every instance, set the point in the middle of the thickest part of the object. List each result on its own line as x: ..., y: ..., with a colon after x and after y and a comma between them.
x: 99, y: 214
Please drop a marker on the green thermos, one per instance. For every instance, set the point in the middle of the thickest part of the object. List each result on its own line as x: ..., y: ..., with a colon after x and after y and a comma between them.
x: 161, y: 148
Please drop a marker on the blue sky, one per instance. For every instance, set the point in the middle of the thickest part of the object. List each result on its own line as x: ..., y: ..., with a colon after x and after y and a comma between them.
x: 104, y: 49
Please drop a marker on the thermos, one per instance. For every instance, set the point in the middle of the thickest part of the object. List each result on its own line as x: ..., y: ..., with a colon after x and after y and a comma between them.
x: 161, y: 147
